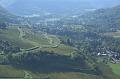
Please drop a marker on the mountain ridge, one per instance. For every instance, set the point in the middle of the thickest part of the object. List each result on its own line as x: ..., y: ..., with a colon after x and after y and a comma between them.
x: 26, y: 7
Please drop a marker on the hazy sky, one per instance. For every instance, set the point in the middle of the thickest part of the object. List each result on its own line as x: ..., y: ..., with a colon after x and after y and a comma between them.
x: 92, y: 2
x: 21, y: 6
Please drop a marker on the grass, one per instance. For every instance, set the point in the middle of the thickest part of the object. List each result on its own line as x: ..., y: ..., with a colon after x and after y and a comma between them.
x: 11, y: 34
x: 72, y: 75
x: 61, y: 49
x: 38, y: 39
x: 30, y: 40
x: 115, y: 68
x: 54, y: 41
x: 9, y: 71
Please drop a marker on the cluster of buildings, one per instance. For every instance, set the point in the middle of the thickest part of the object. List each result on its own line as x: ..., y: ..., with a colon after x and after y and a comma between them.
x: 114, y: 56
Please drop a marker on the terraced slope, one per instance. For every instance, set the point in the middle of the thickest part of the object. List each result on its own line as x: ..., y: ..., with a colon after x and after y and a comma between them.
x: 25, y: 40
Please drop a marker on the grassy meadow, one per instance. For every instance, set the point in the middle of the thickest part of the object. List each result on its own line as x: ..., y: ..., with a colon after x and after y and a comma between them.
x: 115, y: 68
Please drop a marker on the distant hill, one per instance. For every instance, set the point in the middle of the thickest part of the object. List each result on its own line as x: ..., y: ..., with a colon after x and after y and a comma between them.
x: 5, y: 16
x: 27, y: 7
x: 102, y: 20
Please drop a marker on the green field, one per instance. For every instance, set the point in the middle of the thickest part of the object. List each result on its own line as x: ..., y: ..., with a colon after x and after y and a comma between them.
x: 61, y: 49
x: 54, y: 41
x: 115, y: 68
x: 26, y: 39
x: 11, y: 34
x: 9, y: 72
x: 39, y: 39
x: 36, y: 39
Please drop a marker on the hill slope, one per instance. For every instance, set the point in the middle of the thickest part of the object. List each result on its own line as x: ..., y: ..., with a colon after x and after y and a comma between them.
x: 5, y: 16
x: 106, y: 19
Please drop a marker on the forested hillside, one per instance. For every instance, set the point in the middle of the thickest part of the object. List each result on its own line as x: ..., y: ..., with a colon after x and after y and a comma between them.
x: 106, y: 19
